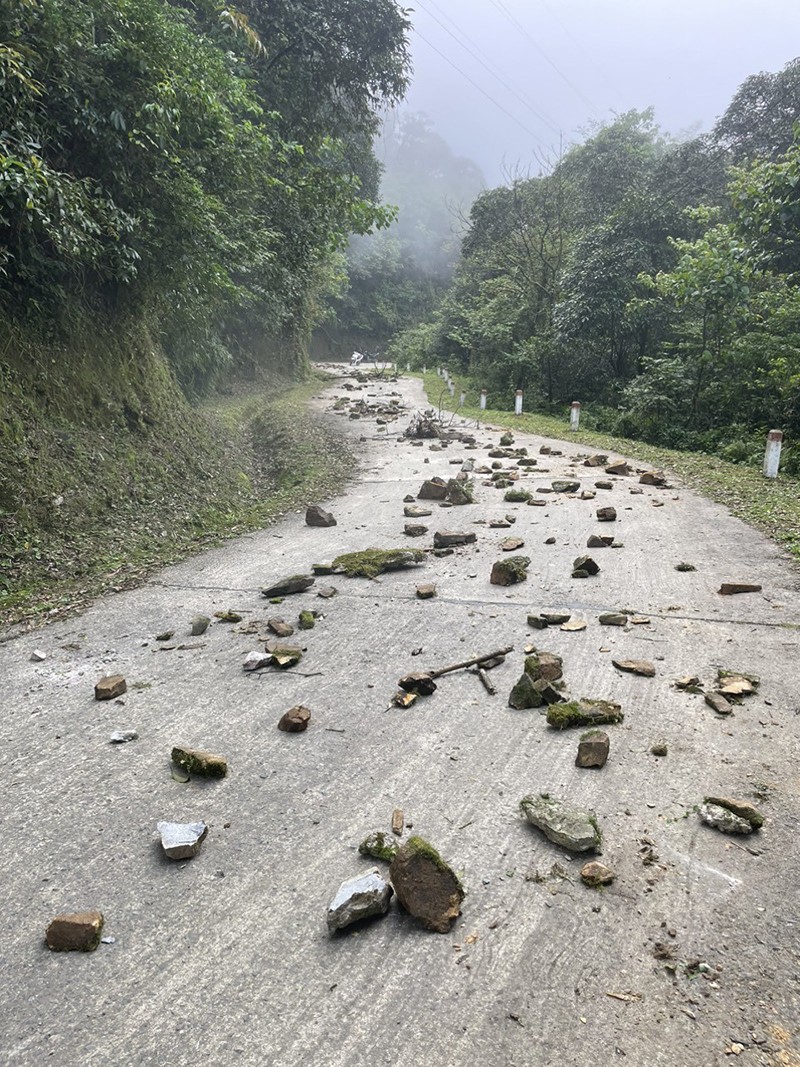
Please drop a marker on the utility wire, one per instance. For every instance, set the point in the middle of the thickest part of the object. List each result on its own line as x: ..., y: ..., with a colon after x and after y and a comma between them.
x: 486, y: 66
x: 475, y: 85
x: 501, y: 7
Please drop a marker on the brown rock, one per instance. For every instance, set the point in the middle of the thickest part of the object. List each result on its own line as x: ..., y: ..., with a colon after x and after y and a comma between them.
x: 418, y: 682
x: 596, y: 874
x: 604, y: 485
x: 719, y: 704
x: 595, y: 461
x: 414, y: 529
x: 635, y: 666
x: 593, y: 749
x: 416, y: 511
x: 112, y: 685
x: 295, y: 720
x: 280, y: 628
x: 511, y: 544
x: 653, y: 478
x: 317, y: 516
x: 743, y: 808
x: 426, y: 591
x: 398, y: 821
x: 620, y: 467
x: 597, y: 541
x: 425, y: 885
x: 434, y: 489
x: 730, y: 588
x: 606, y: 514
x: 75, y: 932
x: 450, y: 538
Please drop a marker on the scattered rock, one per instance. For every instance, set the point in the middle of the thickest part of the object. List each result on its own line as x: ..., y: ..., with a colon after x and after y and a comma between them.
x: 595, y: 874
x: 743, y: 808
x: 419, y: 682
x: 510, y: 571
x: 584, y: 712
x: 426, y: 591
x: 295, y: 720
x: 425, y: 885
x: 613, y: 618
x: 537, y: 622
x: 379, y: 846
x: 295, y: 583
x: 280, y: 627
x: 620, y: 468
x: 545, y: 450
x: 588, y: 494
x: 121, y: 737
x: 181, y: 841
x: 550, y: 540
x: 199, y: 624
x: 525, y: 694
x: 77, y: 931
x: 166, y: 635
x: 689, y: 682
x: 562, y: 824
x: 284, y: 656
x: 564, y: 485
x: 730, y: 588
x: 604, y: 485
x: 511, y: 544
x: 197, y: 761
x: 228, y: 616
x: 398, y: 821
x: 317, y: 516
x: 109, y: 687
x: 636, y: 666
x: 517, y: 496
x: 658, y: 748
x: 574, y: 625
x: 732, y: 684
x: 37, y: 656
x: 685, y: 567
x: 453, y: 538
x: 723, y: 819
x: 719, y: 704
x: 555, y: 618
x: 595, y: 461
x: 414, y: 530
x: 416, y: 511
x: 434, y: 489
x: 404, y: 700
x: 327, y: 591
x: 459, y: 492
x: 254, y: 661
x: 362, y: 897
x: 608, y: 514
x: 653, y: 478
x: 409, y: 499
x: 593, y: 749
x: 540, y: 664
x: 598, y: 541
x: 584, y: 566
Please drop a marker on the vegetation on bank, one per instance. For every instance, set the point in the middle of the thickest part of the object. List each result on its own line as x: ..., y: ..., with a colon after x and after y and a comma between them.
x: 102, y: 506
x: 770, y: 505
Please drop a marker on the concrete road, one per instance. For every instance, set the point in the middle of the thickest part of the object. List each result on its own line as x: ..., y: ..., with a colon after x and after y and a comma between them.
x: 226, y: 959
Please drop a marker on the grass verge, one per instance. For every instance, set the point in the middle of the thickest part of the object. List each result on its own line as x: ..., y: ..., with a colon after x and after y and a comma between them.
x: 770, y: 505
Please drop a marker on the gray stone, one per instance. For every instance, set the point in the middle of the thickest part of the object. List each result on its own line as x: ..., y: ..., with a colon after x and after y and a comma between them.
x: 595, y: 461
x: 565, y: 486
x: 199, y: 624
x: 280, y: 627
x: 572, y: 828
x: 653, y: 478
x: 607, y: 514
x: 636, y: 666
x: 585, y: 563
x: 414, y: 529
x: 718, y: 702
x: 595, y: 874
x: 317, y: 516
x: 181, y: 841
x: 723, y: 819
x: 621, y: 467
x: 555, y: 618
x: 434, y: 489
x: 613, y: 618
x: 295, y: 583
x: 525, y: 695
x: 416, y: 511
x: 598, y: 541
x: 604, y: 485
x: 37, y: 656
x: 731, y: 588
x: 254, y: 661
x: 510, y: 571
x: 361, y: 897
x: 743, y: 808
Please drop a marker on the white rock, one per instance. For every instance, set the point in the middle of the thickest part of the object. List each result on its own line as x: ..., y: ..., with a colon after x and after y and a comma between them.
x: 37, y: 656
x: 255, y: 660
x: 119, y: 737
x: 359, y: 898
x: 181, y: 841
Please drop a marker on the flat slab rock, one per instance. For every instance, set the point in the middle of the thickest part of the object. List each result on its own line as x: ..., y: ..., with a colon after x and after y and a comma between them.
x: 571, y: 828
x: 75, y: 932
x: 198, y: 761
x: 731, y: 588
x: 181, y: 841
x: 425, y: 885
x: 295, y: 583
x: 723, y: 819
x: 636, y: 666
x: 112, y: 685
x: 362, y: 897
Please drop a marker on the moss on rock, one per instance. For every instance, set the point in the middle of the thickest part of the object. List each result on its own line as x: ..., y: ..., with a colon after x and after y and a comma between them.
x: 371, y: 562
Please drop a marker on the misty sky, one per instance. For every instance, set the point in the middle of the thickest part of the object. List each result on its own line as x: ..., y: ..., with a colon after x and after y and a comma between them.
x: 567, y: 62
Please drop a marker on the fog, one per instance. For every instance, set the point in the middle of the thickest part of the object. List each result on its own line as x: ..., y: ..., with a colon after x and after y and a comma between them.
x: 506, y: 82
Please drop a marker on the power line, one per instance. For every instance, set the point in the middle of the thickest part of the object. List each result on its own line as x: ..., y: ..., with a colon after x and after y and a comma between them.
x: 475, y: 85
x: 486, y: 66
x: 501, y: 7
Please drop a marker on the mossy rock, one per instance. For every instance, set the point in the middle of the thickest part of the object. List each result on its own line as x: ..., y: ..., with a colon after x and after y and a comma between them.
x: 584, y: 712
x: 517, y: 496
x: 510, y: 571
x: 507, y: 440
x: 307, y: 620
x: 542, y: 664
x: 525, y: 695
x: 374, y: 561
x: 379, y: 845
x: 725, y: 675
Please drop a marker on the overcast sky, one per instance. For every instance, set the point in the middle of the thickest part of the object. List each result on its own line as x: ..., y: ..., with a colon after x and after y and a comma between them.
x: 568, y: 62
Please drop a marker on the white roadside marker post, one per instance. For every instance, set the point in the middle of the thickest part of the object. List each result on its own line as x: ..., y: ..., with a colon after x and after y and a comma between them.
x: 772, y: 456
x: 483, y: 400
x: 518, y: 402
x: 574, y: 415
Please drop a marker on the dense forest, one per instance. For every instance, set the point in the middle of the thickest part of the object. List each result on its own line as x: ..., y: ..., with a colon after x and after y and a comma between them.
x: 656, y: 280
